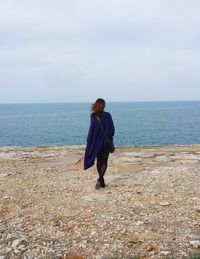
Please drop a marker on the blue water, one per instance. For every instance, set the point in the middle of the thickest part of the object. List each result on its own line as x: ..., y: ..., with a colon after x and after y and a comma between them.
x: 139, y: 123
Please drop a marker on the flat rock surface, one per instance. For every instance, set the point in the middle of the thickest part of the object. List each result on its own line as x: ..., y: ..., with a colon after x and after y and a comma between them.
x: 49, y: 207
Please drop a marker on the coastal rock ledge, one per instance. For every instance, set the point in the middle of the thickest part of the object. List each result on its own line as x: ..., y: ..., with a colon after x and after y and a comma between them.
x: 50, y: 209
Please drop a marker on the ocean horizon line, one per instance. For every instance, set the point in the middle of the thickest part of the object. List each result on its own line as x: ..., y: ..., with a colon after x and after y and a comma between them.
x: 145, y: 101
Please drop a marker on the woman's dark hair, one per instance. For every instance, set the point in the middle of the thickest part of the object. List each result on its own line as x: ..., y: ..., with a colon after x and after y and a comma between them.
x: 98, y: 106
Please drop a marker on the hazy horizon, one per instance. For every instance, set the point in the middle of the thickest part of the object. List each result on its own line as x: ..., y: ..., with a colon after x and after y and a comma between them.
x: 149, y: 101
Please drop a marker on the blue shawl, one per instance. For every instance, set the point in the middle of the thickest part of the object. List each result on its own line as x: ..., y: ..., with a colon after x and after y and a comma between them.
x: 96, y: 139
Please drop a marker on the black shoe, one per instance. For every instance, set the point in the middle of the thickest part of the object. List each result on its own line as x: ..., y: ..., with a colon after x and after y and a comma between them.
x: 102, y: 183
x: 98, y: 185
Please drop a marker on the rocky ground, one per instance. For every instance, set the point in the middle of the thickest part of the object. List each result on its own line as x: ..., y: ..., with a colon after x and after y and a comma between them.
x: 150, y: 207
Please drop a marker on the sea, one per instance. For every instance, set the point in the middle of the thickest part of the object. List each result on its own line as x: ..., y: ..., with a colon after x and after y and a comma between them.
x: 136, y: 123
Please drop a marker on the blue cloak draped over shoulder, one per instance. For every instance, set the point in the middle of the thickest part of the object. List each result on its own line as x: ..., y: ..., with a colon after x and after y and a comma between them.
x: 96, y: 139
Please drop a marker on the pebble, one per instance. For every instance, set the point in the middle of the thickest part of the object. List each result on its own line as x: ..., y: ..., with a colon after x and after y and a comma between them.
x: 195, y: 243
x: 8, y: 249
x: 16, y: 251
x: 164, y: 203
x: 83, y: 246
x: 139, y: 223
x: 93, y: 232
x: 151, y: 248
x: 16, y: 242
x: 4, y: 174
x: 123, y: 231
x: 165, y: 253
x: 22, y: 247
x: 6, y: 197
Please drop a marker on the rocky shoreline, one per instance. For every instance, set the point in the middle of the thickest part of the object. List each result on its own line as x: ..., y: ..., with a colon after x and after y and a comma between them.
x: 150, y: 207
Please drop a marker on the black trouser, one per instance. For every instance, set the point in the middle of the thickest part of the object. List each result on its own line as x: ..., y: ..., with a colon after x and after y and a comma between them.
x: 102, y: 160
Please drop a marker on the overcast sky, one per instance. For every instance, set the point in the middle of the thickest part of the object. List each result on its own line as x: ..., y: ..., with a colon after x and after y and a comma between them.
x: 79, y: 50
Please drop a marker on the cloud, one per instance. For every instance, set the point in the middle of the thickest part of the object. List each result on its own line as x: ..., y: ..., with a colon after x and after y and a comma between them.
x: 52, y: 50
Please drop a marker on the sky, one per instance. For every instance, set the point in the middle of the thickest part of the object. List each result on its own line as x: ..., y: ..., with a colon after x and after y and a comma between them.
x: 80, y: 50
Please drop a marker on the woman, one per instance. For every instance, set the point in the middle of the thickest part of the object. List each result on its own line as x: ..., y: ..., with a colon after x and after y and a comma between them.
x: 101, y: 131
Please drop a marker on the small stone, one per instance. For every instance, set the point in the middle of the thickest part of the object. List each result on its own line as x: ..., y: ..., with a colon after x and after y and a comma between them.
x: 8, y: 249
x: 164, y: 203
x: 16, y: 251
x: 9, y: 236
x: 4, y: 174
x: 93, y: 232
x: 151, y: 248
x: 195, y: 243
x: 165, y: 253
x: 139, y: 223
x: 2, y: 257
x: 123, y: 231
x: 135, y: 241
x: 6, y: 197
x: 22, y: 247
x: 83, y: 246
x: 16, y: 242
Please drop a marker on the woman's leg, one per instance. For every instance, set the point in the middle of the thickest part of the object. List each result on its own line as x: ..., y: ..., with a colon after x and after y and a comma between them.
x: 99, y: 164
x: 102, y: 163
